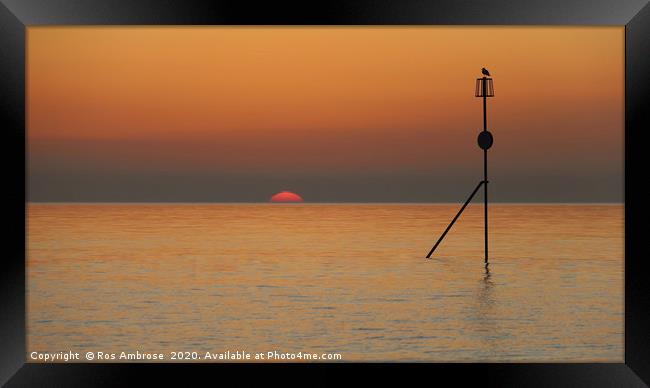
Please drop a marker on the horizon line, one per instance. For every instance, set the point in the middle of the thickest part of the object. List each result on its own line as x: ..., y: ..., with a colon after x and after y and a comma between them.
x: 326, y: 202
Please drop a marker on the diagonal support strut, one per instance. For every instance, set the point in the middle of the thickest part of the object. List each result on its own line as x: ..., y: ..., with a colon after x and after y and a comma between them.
x: 455, y: 218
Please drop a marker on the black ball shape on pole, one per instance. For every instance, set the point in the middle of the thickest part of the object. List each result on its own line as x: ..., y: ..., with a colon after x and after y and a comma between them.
x: 485, y: 140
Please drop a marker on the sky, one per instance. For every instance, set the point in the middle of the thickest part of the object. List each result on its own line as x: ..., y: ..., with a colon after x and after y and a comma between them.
x: 335, y: 114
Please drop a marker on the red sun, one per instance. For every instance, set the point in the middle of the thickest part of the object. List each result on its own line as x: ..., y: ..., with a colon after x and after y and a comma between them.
x: 286, y: 196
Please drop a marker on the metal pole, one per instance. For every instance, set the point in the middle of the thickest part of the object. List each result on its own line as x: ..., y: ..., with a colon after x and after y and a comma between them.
x: 485, y: 177
x: 485, y: 142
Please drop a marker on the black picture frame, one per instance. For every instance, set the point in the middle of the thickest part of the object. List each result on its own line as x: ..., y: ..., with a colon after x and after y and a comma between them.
x: 16, y: 15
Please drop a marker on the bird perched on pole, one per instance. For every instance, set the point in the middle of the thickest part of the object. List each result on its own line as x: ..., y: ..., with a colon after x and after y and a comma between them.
x: 485, y: 72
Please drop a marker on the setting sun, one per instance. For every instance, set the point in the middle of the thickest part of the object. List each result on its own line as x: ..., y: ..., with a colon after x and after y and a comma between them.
x: 286, y: 196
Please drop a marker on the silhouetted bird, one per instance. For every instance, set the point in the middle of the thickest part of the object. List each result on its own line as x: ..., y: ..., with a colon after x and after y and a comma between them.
x: 485, y: 72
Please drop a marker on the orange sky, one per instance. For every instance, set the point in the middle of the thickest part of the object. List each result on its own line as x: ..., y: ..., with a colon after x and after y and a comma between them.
x: 323, y: 100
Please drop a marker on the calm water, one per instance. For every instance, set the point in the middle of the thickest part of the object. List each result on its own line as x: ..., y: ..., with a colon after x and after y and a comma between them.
x: 348, y: 279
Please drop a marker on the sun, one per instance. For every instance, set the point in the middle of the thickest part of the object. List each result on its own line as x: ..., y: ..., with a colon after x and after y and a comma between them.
x: 286, y: 196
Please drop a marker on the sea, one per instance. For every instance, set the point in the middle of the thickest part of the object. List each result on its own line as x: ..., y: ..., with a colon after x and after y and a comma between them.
x: 337, y: 282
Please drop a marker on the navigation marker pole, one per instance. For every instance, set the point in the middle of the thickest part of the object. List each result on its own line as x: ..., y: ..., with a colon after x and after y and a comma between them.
x: 484, y: 89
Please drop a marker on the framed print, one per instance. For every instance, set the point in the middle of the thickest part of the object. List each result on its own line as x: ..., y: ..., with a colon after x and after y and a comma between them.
x: 447, y: 187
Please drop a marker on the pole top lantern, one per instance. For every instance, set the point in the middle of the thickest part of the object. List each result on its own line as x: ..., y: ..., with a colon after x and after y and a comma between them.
x: 484, y: 87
